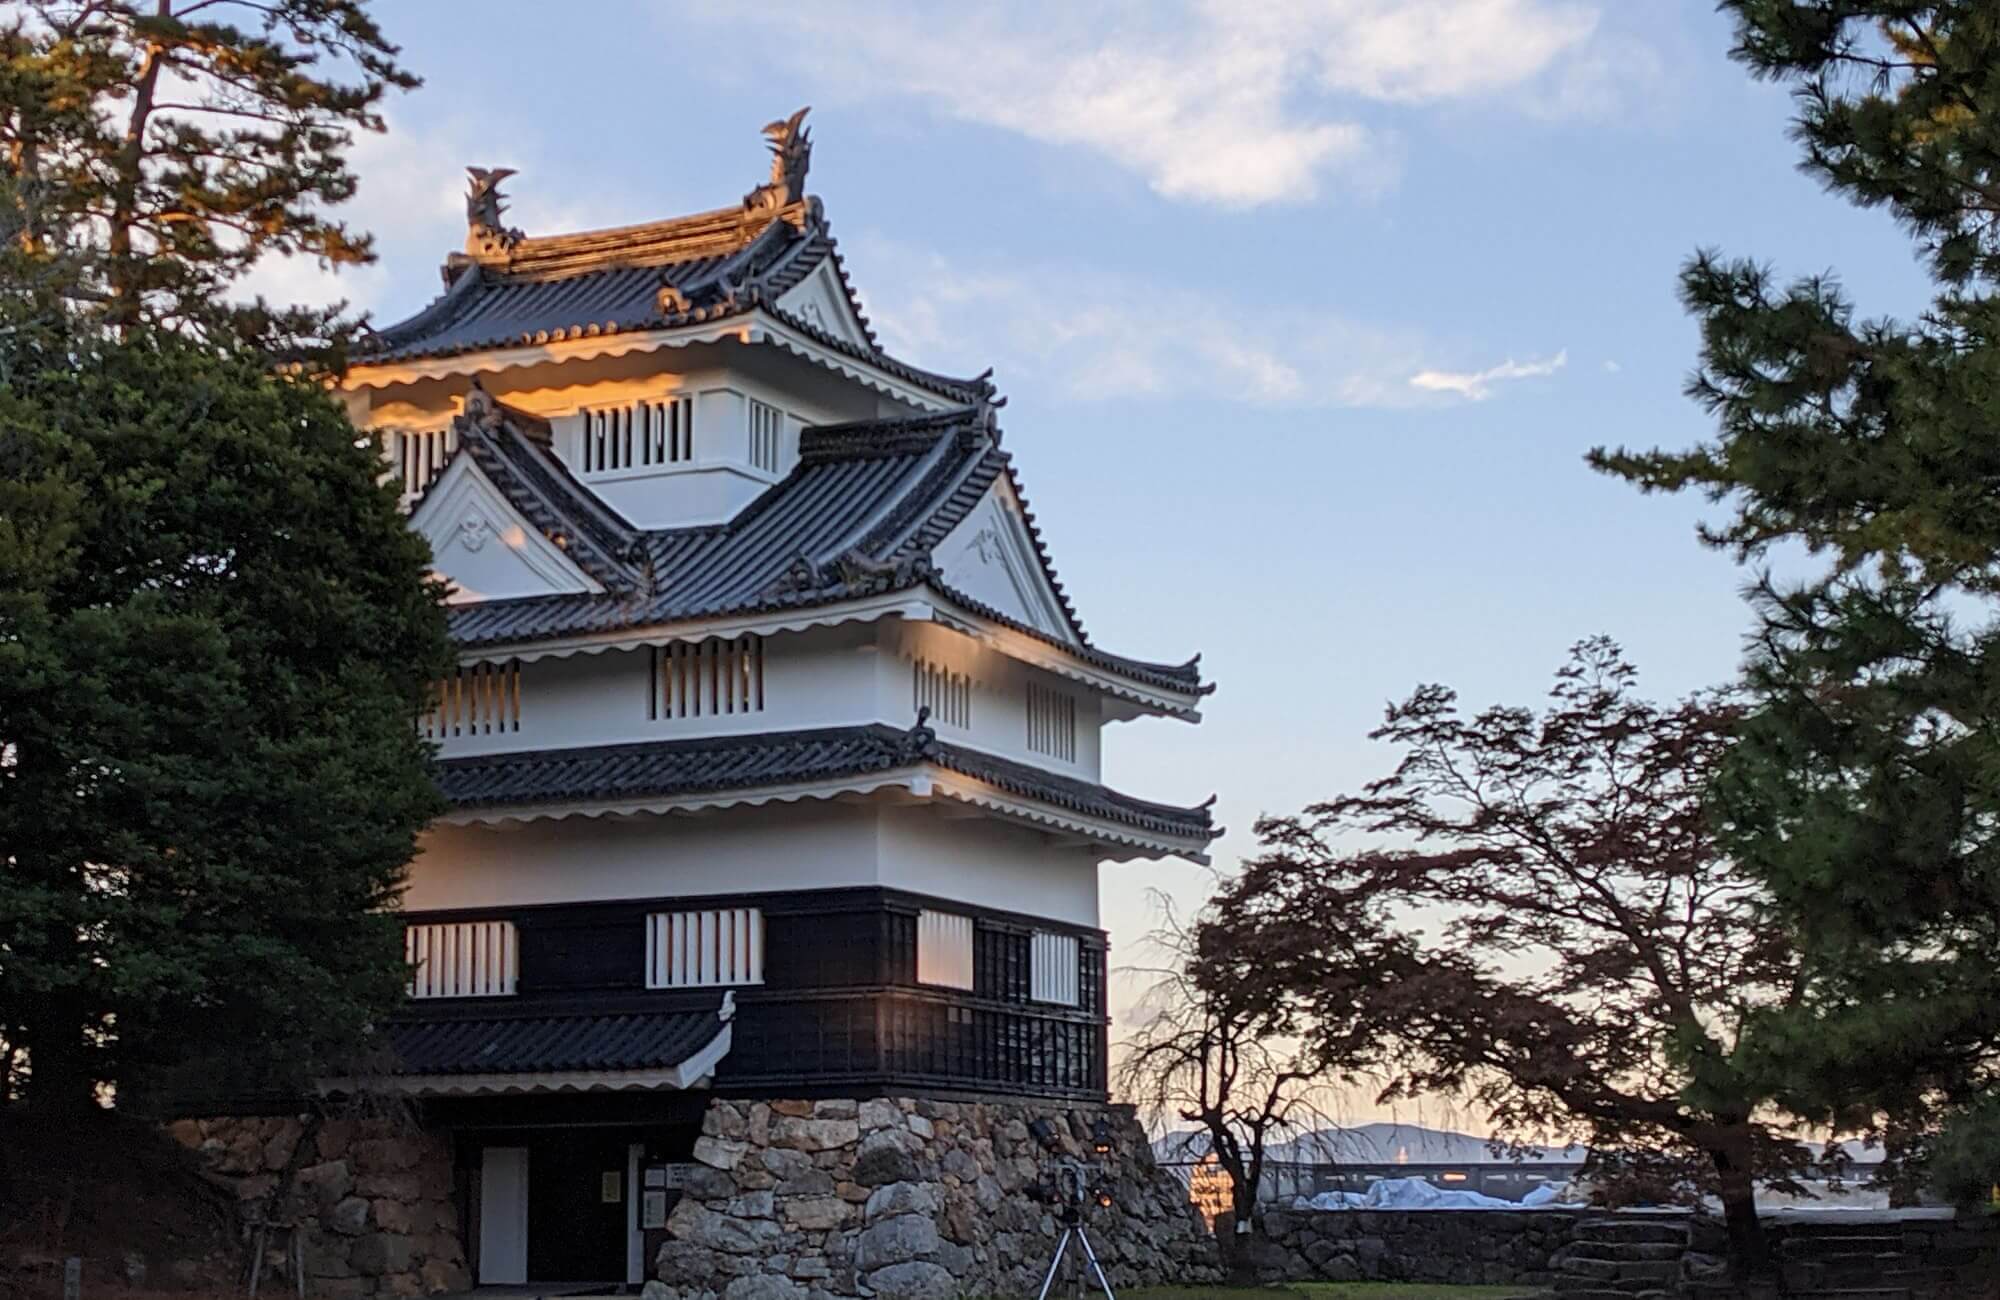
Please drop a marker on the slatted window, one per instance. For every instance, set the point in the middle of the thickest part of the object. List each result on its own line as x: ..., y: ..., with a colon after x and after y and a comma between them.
x: 944, y: 949
x: 638, y: 435
x: 462, y: 959
x: 947, y: 694
x: 477, y: 700
x: 706, y: 679
x: 417, y: 456
x: 705, y: 949
x: 767, y: 431
x: 1054, y: 963
x: 1051, y: 722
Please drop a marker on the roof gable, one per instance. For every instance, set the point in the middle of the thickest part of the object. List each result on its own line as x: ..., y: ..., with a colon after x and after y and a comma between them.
x: 822, y: 301
x: 486, y: 548
x: 992, y: 557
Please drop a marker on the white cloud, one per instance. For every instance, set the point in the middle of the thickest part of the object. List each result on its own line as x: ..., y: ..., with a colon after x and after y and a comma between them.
x: 1215, y: 101
x: 1108, y: 337
x: 1477, y: 385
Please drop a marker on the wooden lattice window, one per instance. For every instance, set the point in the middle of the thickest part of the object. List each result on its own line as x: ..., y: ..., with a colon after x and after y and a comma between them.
x: 706, y: 679
x: 638, y: 435
x: 1051, y: 722
x: 948, y: 695
x: 462, y: 959
x: 705, y: 949
x: 767, y: 431
x: 1055, y: 968
x: 477, y: 700
x: 417, y: 456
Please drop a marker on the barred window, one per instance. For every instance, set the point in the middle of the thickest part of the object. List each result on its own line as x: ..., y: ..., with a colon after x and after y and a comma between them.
x: 477, y: 700
x: 1051, y: 722
x: 462, y: 959
x: 707, y: 678
x: 704, y: 949
x: 1055, y: 969
x: 948, y: 695
x: 767, y: 429
x: 638, y: 435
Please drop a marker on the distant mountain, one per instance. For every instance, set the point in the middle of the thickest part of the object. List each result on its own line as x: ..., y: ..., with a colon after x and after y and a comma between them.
x: 1392, y: 1144
x: 1373, y: 1144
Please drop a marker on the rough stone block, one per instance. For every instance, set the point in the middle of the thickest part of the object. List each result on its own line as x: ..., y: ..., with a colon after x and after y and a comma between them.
x: 718, y: 1153
x: 814, y: 1134
x: 895, y: 1241
x: 814, y: 1213
x: 913, y: 1281
x: 901, y: 1198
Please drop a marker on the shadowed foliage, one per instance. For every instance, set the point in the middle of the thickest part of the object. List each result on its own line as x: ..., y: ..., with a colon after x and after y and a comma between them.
x: 1865, y: 793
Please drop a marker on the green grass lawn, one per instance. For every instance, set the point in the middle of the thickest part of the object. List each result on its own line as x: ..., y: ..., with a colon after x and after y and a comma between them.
x: 1333, y: 1291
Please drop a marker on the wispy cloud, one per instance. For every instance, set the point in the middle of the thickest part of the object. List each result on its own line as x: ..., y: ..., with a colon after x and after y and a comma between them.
x: 1214, y: 101
x: 1477, y: 385
x: 1111, y: 337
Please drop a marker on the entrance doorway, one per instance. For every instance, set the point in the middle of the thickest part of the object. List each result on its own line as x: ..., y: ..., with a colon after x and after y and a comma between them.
x: 554, y: 1207
x: 577, y: 1226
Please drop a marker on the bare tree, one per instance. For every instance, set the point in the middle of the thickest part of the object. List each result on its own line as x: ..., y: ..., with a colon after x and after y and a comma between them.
x: 1212, y: 1053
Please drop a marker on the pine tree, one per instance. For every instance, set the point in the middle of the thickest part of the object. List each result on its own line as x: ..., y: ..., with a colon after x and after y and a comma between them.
x: 1865, y: 792
x: 166, y: 149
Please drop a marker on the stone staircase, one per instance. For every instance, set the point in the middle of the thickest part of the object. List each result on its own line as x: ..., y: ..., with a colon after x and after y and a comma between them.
x: 1623, y: 1259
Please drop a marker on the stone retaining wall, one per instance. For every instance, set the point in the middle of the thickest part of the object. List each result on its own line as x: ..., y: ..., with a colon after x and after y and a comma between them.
x: 372, y: 1197
x: 1489, y: 1247
x: 908, y: 1199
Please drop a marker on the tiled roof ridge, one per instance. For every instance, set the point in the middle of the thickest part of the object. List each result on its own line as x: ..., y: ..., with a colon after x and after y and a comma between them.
x: 661, y: 242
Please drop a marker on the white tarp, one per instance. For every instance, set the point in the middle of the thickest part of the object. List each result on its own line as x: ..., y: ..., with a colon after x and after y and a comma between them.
x: 1417, y: 1194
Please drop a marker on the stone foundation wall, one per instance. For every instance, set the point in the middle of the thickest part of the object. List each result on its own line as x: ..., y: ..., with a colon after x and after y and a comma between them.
x: 1465, y: 1247
x: 372, y: 1197
x: 908, y: 1200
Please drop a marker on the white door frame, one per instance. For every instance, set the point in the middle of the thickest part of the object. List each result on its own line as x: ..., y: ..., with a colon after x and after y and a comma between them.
x: 503, y: 1216
x: 635, y: 1238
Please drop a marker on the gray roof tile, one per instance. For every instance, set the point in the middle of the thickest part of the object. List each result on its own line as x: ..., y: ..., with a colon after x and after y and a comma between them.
x: 519, y: 1044
x: 713, y: 765
x: 884, y: 492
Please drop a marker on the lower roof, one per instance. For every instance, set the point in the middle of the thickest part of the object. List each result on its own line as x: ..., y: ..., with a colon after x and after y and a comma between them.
x: 725, y: 764
x: 560, y: 1051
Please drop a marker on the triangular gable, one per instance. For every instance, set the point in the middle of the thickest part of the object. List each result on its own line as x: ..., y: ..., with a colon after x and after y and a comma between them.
x: 821, y: 301
x: 483, y: 546
x: 991, y: 557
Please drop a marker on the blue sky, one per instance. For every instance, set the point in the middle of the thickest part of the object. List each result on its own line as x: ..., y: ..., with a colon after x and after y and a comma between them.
x: 1307, y: 314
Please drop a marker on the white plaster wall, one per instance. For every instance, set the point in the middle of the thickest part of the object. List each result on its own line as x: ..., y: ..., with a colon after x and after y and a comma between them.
x: 821, y: 677
x: 843, y: 676
x: 748, y: 850
x: 579, y: 859
x: 988, y: 863
x: 999, y: 697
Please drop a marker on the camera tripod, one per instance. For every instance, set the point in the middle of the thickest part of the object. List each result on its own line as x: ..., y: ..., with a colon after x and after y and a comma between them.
x: 1073, y: 1235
